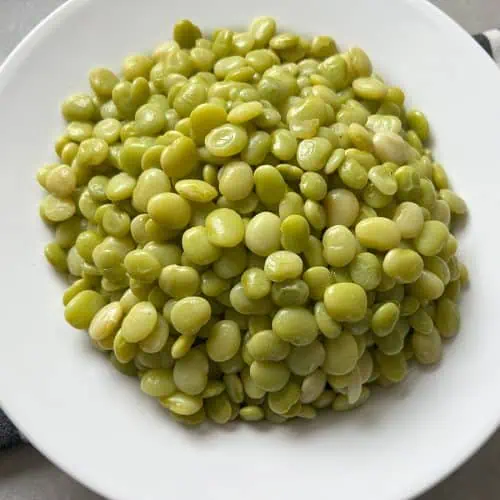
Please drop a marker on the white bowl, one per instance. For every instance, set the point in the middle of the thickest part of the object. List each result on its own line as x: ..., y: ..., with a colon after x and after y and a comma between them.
x: 96, y: 424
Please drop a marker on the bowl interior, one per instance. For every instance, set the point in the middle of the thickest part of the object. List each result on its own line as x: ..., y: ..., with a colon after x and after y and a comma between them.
x: 97, y: 425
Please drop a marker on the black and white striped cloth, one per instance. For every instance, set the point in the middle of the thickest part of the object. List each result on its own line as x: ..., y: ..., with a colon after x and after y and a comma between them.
x: 489, y: 40
x: 9, y: 435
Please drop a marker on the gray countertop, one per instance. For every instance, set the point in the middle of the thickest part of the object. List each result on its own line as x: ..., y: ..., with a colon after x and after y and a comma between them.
x: 26, y: 475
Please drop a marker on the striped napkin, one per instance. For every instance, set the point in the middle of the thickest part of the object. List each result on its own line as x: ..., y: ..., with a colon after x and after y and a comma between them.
x: 489, y: 40
x: 9, y: 435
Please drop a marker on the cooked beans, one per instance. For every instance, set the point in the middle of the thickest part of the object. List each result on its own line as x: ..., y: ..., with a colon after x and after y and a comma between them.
x: 255, y: 224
